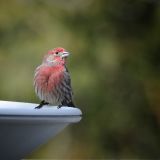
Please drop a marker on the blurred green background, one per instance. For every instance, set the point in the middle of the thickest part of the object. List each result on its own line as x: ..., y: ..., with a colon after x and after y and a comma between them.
x: 115, y: 66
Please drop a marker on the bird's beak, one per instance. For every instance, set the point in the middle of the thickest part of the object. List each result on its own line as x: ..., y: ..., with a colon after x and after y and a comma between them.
x: 65, y: 54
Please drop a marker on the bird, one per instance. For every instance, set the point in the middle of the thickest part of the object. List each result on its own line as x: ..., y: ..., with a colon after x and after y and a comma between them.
x: 52, y: 81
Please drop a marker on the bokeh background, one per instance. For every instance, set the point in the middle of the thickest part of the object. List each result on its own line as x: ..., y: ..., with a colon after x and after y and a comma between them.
x: 115, y: 70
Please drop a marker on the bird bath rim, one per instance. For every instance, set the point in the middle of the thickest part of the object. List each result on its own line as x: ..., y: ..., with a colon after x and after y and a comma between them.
x: 27, y: 128
x: 18, y: 111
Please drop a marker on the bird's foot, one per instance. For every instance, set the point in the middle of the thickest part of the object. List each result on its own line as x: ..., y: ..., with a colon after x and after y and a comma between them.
x: 41, y: 105
x: 70, y: 104
x: 38, y: 107
x: 59, y: 106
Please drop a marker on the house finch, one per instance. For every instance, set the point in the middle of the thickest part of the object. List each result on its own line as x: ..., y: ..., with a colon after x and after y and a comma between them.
x: 52, y: 81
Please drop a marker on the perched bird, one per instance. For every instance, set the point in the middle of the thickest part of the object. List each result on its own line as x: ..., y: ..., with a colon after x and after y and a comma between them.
x: 52, y: 81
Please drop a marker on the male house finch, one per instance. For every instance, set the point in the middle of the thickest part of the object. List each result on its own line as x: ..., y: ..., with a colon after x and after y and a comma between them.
x: 52, y: 81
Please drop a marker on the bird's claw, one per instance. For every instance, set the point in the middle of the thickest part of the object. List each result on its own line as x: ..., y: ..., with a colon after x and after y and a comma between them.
x: 38, y: 107
x: 59, y: 106
x: 41, y: 104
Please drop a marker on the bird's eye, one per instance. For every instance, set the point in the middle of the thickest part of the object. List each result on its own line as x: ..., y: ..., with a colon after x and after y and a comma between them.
x: 56, y: 53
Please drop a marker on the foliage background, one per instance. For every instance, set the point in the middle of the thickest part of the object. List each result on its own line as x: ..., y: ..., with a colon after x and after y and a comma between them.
x: 114, y: 65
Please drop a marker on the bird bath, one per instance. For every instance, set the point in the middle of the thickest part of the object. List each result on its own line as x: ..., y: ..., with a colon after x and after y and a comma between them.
x: 23, y: 128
